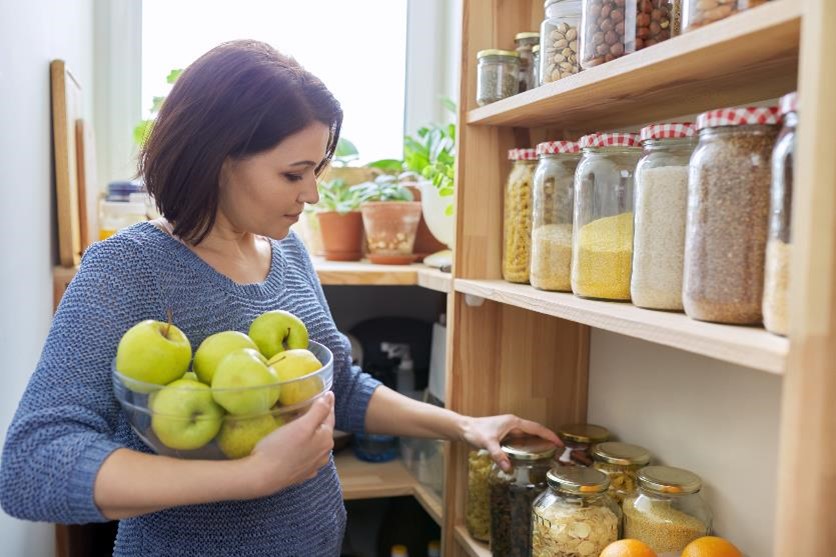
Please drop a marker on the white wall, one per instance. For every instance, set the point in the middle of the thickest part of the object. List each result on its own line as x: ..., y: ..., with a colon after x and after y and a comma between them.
x: 31, y: 35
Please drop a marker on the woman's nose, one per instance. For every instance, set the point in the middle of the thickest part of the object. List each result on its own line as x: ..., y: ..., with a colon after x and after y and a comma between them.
x: 310, y: 192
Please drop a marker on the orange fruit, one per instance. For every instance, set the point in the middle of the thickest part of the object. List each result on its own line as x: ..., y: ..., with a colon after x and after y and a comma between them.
x: 627, y: 548
x: 711, y: 546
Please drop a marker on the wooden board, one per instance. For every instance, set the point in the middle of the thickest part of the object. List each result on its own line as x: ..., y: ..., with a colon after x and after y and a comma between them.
x: 471, y: 547
x: 87, y: 186
x: 356, y: 273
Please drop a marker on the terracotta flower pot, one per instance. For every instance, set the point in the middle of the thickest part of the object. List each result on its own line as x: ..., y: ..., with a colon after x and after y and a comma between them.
x: 390, y: 230
x: 342, y: 235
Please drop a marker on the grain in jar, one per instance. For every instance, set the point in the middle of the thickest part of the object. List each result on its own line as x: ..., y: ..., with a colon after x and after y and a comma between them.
x: 621, y: 462
x: 516, y: 254
x: 478, y: 507
x: 728, y: 215
x: 497, y: 75
x: 559, y: 40
x: 697, y: 13
x: 578, y: 440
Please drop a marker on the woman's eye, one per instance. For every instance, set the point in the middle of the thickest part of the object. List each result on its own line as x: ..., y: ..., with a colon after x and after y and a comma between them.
x: 293, y: 177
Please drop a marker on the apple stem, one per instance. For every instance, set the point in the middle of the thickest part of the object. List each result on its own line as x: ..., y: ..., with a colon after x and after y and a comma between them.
x: 170, y: 315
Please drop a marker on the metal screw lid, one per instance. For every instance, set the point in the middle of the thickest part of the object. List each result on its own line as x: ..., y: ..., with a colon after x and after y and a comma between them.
x: 578, y: 480
x: 497, y: 52
x: 583, y: 433
x: 622, y: 454
x: 528, y: 448
x: 669, y: 480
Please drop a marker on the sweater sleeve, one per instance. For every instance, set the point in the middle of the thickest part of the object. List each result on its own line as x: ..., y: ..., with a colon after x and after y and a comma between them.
x: 65, y: 424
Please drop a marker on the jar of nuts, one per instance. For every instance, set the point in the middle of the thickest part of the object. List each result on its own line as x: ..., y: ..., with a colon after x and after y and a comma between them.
x: 525, y: 43
x: 621, y: 462
x: 516, y: 254
x: 497, y: 75
x: 578, y: 440
x: 559, y: 40
x: 612, y: 28
x: 702, y: 12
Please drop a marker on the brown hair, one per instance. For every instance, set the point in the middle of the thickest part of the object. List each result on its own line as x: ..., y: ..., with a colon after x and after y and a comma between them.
x: 239, y: 99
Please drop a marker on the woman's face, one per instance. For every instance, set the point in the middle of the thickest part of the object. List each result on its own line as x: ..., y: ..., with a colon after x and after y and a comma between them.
x: 265, y: 193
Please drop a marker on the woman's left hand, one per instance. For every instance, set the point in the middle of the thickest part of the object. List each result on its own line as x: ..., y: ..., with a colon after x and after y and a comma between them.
x: 488, y: 432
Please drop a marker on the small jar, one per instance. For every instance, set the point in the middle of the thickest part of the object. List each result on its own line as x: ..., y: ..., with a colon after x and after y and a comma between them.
x: 116, y: 215
x: 497, y: 75
x: 514, y: 492
x: 702, y: 12
x: 728, y: 215
x: 478, y: 508
x: 516, y: 254
x: 667, y: 513
x: 661, y: 210
x: 524, y: 46
x: 777, y: 276
x: 535, y: 63
x: 559, y: 35
x: 621, y: 463
x: 602, y: 241
x: 551, y: 232
x: 578, y: 440
x: 574, y: 516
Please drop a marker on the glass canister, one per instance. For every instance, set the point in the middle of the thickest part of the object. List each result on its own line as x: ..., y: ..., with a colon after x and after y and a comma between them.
x: 497, y: 75
x: 578, y: 440
x: 667, y: 513
x: 512, y: 494
x: 697, y: 13
x: 574, y: 516
x: 516, y: 252
x: 524, y: 46
x: 728, y: 215
x: 551, y: 232
x: 612, y: 28
x: 621, y: 463
x: 602, y: 239
x: 559, y: 42
x: 777, y: 276
x: 478, y: 507
x: 535, y: 63
x: 661, y: 210
x: 116, y: 215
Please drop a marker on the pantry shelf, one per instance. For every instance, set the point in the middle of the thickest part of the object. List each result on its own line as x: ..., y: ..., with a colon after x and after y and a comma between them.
x: 745, y: 58
x: 472, y: 547
x: 364, y: 273
x: 747, y: 346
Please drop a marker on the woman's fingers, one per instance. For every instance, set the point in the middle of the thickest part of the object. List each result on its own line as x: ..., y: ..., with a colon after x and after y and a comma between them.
x: 533, y: 428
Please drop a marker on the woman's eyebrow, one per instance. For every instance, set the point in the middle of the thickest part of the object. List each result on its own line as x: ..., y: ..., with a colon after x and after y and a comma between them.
x: 303, y: 163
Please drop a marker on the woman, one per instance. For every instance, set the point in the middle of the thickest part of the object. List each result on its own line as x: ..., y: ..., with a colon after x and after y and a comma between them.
x: 231, y: 161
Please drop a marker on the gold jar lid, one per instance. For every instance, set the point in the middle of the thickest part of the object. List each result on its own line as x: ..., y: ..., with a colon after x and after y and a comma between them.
x: 622, y: 454
x: 669, y: 480
x: 497, y: 52
x: 528, y: 448
x: 578, y: 480
x: 527, y: 35
x: 583, y: 433
x: 535, y: 48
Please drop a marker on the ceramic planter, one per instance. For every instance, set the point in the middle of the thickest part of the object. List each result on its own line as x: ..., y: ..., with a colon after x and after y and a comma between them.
x: 342, y: 235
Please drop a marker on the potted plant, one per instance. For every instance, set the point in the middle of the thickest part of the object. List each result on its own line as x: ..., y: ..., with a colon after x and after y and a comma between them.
x: 390, y: 219
x: 340, y: 221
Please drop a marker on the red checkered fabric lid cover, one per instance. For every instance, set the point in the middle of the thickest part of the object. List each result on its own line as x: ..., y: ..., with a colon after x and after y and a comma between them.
x: 674, y: 130
x: 554, y: 147
x: 526, y: 154
x: 789, y: 103
x: 610, y: 140
x: 747, y: 116
x: 513, y: 154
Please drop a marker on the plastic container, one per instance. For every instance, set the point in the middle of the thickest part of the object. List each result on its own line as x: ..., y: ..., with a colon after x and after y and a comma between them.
x: 390, y: 228
x: 372, y: 447
x: 578, y: 440
x: 516, y: 254
x: 116, y: 215
x: 559, y: 40
x: 551, y: 233
x: 621, y: 462
x: 660, y: 214
x: 525, y: 43
x: 497, y: 75
x: 478, y: 506
x: 728, y: 215
x: 602, y: 240
x: 697, y: 13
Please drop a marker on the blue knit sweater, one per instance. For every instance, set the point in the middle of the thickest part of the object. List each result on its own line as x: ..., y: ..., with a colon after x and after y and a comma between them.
x: 68, y: 421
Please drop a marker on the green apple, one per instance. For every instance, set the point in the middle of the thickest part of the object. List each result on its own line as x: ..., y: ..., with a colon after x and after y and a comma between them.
x: 277, y: 330
x: 293, y: 364
x: 239, y: 435
x: 153, y: 352
x: 191, y: 376
x: 214, y: 348
x: 244, y: 383
x: 184, y: 416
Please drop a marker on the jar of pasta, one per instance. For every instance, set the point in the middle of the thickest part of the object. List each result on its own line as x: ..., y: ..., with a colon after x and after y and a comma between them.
x: 621, y: 462
x: 478, y: 507
x: 516, y: 253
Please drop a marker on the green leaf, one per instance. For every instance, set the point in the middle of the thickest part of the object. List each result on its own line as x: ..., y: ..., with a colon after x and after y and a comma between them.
x: 346, y: 149
x: 449, y: 210
x: 387, y: 165
x: 173, y: 75
x: 449, y: 105
x: 142, y: 130
x: 157, y: 104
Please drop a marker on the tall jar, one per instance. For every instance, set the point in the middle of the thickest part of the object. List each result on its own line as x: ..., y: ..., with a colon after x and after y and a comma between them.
x: 578, y: 440
x: 667, y: 513
x: 516, y: 253
x: 777, y: 276
x: 535, y: 63
x: 551, y: 233
x: 497, y: 75
x: 728, y: 215
x: 602, y: 241
x: 559, y: 40
x: 524, y: 44
x: 574, y: 516
x: 621, y: 462
x: 513, y: 493
x: 661, y: 211
x: 702, y: 12
x: 612, y: 28
x: 478, y: 508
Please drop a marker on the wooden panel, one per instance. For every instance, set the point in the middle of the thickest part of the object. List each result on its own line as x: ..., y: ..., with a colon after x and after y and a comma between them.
x: 471, y: 547
x: 362, y: 272
x: 430, y: 501
x: 367, y: 480
x: 434, y: 279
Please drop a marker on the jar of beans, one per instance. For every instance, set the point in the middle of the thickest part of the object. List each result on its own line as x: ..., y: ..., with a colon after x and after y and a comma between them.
x: 559, y: 40
x: 612, y: 28
x: 728, y: 214
x: 516, y: 252
x: 524, y: 44
x: 621, y: 462
x: 578, y: 440
x: 702, y: 12
x: 497, y: 75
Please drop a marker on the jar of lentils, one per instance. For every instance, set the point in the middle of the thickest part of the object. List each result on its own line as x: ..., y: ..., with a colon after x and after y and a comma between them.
x: 578, y: 440
x: 621, y: 463
x: 497, y: 75
x: 516, y: 255
x: 559, y: 40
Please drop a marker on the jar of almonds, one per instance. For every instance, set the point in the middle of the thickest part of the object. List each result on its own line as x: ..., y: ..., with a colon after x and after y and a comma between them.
x: 516, y: 253
x: 621, y: 462
x: 559, y: 40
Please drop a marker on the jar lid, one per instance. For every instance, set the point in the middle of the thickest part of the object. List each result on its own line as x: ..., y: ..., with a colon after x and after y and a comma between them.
x: 554, y: 147
x: 610, y: 140
x: 746, y: 116
x: 535, y: 48
x: 673, y: 130
x: 583, y: 433
x: 669, y: 480
x: 789, y: 103
x: 577, y: 479
x: 497, y: 52
x: 526, y: 154
x: 623, y: 454
x: 527, y: 35
x: 528, y: 447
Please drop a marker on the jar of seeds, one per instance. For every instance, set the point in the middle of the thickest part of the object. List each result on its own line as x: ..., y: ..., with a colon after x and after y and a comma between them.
x: 578, y: 440
x: 559, y: 40
x: 667, y: 513
x: 497, y: 75
x: 728, y: 215
x: 513, y: 493
x: 702, y: 12
x: 525, y: 43
x: 478, y: 508
x: 516, y: 253
x: 621, y: 463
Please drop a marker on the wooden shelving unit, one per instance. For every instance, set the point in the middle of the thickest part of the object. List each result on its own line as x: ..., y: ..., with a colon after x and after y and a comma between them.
x: 365, y: 273
x: 471, y: 547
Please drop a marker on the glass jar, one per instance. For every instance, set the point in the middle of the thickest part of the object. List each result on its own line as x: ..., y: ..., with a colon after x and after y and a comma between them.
x: 728, y: 215
x: 661, y: 209
x: 551, y: 232
x: 574, y: 516
x: 516, y: 252
x: 478, y: 508
x: 524, y: 45
x: 612, y: 28
x: 578, y: 440
x: 497, y: 75
x: 602, y: 240
x: 116, y: 215
x: 513, y: 493
x: 777, y: 276
x: 559, y: 40
x: 535, y: 64
x: 697, y: 13
x: 621, y: 463
x: 667, y: 513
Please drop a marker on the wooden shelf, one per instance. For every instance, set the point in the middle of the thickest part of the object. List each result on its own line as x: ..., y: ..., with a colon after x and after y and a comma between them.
x: 472, y: 547
x: 748, y: 346
x: 748, y: 57
x: 364, y: 273
x: 431, y: 502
